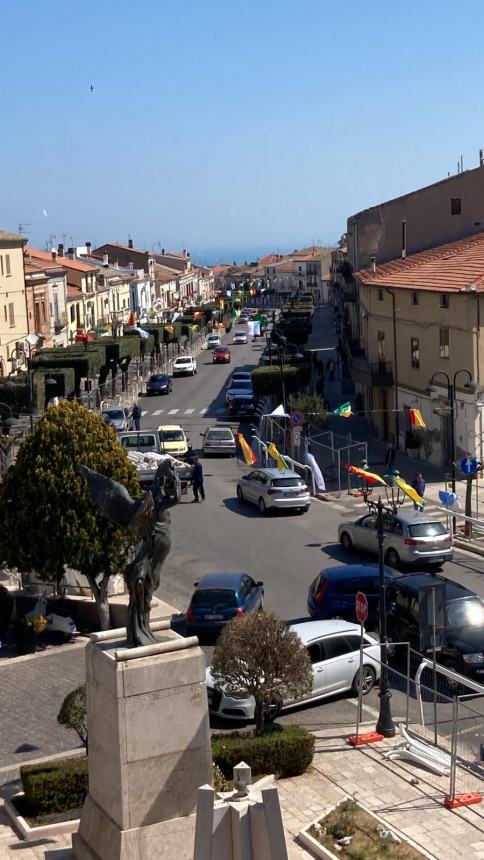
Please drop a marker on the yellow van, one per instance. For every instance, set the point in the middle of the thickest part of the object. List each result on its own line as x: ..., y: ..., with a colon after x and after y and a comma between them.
x: 172, y: 440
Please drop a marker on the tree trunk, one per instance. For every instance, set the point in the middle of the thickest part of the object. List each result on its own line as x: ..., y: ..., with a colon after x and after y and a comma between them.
x: 259, y: 717
x: 100, y: 592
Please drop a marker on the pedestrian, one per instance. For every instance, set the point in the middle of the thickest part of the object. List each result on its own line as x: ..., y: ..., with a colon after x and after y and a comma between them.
x: 418, y: 485
x: 390, y: 458
x: 136, y: 416
x: 190, y: 455
x: 197, y: 480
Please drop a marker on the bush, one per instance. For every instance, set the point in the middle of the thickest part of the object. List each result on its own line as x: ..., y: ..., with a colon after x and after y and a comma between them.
x: 55, y: 787
x: 73, y: 713
x: 285, y: 751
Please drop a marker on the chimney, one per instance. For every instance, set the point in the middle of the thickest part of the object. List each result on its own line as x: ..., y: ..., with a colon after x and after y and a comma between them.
x: 481, y: 157
x: 60, y: 250
x: 373, y: 264
x: 130, y: 243
x: 88, y: 249
x: 70, y: 252
x: 54, y: 255
x: 163, y: 252
x: 184, y: 252
x: 404, y: 239
x: 105, y: 259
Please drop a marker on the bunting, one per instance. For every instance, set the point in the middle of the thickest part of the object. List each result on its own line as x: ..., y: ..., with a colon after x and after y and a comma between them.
x: 343, y: 411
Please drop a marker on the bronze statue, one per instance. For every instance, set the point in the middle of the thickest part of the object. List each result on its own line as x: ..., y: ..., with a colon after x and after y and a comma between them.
x: 148, y: 519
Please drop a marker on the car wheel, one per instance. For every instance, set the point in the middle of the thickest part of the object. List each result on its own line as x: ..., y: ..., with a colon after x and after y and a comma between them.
x: 368, y: 681
x: 346, y: 541
x: 304, y: 510
x: 271, y: 712
x: 392, y: 558
x: 240, y: 494
x: 262, y: 506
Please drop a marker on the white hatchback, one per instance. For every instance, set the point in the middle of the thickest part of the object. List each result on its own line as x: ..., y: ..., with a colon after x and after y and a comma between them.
x: 271, y: 488
x: 184, y: 364
x: 333, y: 647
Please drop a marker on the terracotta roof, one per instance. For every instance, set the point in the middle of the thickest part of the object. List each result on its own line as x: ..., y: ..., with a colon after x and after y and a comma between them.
x: 219, y: 270
x: 165, y: 276
x: 450, y: 267
x: 65, y: 262
x: 74, y: 292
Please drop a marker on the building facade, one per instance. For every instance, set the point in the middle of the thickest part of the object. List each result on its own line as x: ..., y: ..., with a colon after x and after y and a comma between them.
x: 13, y: 306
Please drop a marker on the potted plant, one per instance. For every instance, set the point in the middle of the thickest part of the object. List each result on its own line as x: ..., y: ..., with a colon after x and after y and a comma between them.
x: 26, y: 631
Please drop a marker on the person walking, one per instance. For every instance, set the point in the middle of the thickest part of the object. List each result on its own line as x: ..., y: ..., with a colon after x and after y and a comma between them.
x: 390, y: 458
x: 197, y: 480
x: 418, y: 485
x: 136, y: 416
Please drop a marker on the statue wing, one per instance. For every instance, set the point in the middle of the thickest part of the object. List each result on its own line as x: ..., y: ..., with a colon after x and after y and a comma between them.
x: 112, y: 499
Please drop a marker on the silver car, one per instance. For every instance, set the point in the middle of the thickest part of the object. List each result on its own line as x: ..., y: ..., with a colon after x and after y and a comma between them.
x: 410, y: 537
x: 333, y: 647
x: 218, y: 440
x: 119, y: 419
x: 271, y: 488
x: 238, y: 386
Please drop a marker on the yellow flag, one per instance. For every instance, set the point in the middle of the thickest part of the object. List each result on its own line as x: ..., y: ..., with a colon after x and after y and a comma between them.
x: 247, y: 451
x: 274, y: 453
x: 409, y: 491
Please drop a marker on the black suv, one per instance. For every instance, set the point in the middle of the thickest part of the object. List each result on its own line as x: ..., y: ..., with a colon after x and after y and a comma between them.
x: 463, y: 650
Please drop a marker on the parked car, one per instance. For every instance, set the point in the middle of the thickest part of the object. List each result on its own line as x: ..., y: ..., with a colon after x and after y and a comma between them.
x: 218, y: 440
x: 270, y: 488
x: 184, y: 364
x: 241, y: 386
x: 213, y: 340
x: 410, y: 537
x: 242, y: 405
x: 221, y: 355
x: 159, y: 383
x: 240, y: 337
x: 463, y: 650
x: 172, y: 440
x: 332, y: 594
x: 118, y: 419
x: 333, y: 647
x: 239, y: 376
x: 218, y: 597
x: 143, y: 441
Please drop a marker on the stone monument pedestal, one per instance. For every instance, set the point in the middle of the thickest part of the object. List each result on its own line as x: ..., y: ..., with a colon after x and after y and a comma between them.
x: 149, y: 747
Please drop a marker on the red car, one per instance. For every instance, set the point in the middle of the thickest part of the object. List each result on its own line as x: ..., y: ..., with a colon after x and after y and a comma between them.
x: 221, y: 355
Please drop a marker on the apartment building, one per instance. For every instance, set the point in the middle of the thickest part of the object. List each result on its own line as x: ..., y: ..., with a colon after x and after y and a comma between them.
x: 81, y: 288
x: 13, y: 308
x: 47, y: 315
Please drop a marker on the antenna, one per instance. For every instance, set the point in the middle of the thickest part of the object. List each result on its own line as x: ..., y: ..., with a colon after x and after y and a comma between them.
x: 22, y: 229
x: 50, y: 241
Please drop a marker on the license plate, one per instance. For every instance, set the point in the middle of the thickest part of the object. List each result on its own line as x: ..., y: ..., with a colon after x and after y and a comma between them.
x: 291, y: 495
x: 213, y: 617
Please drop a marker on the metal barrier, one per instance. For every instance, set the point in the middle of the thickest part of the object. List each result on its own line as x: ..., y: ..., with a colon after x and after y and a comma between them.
x: 334, y: 454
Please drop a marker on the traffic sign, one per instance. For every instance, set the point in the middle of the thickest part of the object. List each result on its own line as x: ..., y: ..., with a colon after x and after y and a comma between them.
x: 468, y: 464
x: 297, y: 418
x: 361, y: 607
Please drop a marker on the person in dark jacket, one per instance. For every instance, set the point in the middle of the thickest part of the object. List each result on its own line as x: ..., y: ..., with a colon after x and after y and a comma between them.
x: 418, y: 485
x: 197, y: 480
x: 136, y: 416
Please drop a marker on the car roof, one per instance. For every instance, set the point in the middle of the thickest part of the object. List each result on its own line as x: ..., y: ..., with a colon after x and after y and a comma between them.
x: 412, y: 517
x: 169, y: 427
x: 308, y: 631
x: 245, y: 373
x: 277, y: 473
x: 414, y: 581
x: 219, y: 427
x: 183, y: 358
x: 225, y: 579
x: 222, y: 349
x: 349, y: 571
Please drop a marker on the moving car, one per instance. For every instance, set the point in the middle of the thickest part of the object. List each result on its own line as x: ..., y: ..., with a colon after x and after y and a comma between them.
x: 242, y: 405
x: 221, y: 355
x: 410, y: 537
x: 218, y: 440
x: 241, y: 337
x: 463, y: 650
x: 184, y: 364
x: 333, y: 647
x: 218, y: 597
x: 332, y: 594
x: 159, y: 383
x: 118, y: 419
x: 172, y: 440
x: 213, y: 340
x: 271, y: 488
x: 140, y: 440
x: 240, y: 386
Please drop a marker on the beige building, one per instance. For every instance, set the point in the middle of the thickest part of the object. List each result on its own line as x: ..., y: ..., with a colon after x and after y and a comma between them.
x: 421, y: 328
x: 13, y: 308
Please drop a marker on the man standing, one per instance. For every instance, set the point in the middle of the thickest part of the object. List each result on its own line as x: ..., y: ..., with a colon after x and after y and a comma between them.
x: 418, y: 485
x: 390, y: 458
x: 136, y: 416
x: 197, y: 478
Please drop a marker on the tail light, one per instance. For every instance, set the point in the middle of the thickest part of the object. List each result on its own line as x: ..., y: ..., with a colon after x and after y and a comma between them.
x: 318, y: 598
x: 411, y: 542
x: 447, y: 539
x: 189, y: 614
x: 239, y: 611
x: 272, y: 491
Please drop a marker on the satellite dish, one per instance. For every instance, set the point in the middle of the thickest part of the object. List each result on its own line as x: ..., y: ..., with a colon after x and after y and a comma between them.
x: 32, y: 339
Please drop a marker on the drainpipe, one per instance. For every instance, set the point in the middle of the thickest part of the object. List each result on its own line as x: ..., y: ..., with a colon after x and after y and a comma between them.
x: 395, y: 382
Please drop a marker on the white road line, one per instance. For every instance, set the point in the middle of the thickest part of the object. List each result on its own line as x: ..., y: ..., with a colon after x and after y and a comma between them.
x: 144, y: 412
x: 173, y: 411
x: 203, y: 411
x: 158, y: 411
x: 189, y: 411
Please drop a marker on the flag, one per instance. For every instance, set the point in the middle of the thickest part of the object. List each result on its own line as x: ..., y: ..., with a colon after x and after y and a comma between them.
x: 344, y: 411
x: 369, y: 477
x: 234, y: 315
x: 274, y: 453
x: 416, y: 419
x: 450, y: 501
x: 409, y: 491
x: 247, y: 451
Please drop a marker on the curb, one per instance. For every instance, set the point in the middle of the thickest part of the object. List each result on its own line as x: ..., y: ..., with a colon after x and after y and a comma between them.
x: 475, y: 550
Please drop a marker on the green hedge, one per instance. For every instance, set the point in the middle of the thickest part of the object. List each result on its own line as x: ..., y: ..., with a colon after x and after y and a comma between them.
x: 284, y: 751
x: 267, y: 380
x: 55, y: 787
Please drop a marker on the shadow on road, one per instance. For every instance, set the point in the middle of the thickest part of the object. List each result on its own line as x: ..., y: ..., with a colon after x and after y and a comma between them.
x: 243, y: 509
x: 334, y: 550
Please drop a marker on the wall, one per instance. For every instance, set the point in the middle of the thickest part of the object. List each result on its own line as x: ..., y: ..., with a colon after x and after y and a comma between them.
x: 12, y: 292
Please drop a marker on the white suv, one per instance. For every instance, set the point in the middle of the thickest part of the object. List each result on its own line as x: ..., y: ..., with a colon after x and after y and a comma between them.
x: 184, y: 364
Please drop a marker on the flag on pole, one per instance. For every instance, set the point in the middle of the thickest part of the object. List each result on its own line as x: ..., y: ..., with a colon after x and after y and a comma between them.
x: 344, y: 411
x: 247, y: 451
x: 369, y: 477
x: 416, y: 419
x: 274, y: 453
x: 409, y: 491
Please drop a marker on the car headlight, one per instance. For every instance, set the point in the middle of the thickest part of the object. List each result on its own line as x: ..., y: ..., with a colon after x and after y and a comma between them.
x: 473, y: 659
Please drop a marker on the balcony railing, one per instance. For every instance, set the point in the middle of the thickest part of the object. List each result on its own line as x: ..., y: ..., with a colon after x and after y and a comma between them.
x: 381, y: 374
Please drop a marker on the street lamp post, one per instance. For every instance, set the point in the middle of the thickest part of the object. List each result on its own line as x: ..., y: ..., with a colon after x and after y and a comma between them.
x: 385, y: 725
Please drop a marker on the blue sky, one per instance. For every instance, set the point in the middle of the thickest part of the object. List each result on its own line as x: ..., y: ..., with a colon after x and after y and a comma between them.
x: 229, y: 127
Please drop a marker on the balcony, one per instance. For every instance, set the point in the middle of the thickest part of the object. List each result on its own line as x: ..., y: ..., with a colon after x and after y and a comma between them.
x: 381, y: 374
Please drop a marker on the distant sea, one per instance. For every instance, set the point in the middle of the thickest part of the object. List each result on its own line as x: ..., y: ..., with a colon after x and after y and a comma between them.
x: 217, y: 256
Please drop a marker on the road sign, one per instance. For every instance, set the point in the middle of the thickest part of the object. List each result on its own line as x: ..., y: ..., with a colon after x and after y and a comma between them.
x: 297, y: 418
x: 468, y: 464
x: 361, y: 607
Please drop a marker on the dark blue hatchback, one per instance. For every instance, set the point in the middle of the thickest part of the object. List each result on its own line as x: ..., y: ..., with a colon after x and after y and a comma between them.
x: 218, y: 597
x: 333, y: 592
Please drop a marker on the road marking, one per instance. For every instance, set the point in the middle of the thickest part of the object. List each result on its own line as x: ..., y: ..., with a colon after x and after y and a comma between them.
x: 144, y: 412
x: 189, y: 411
x: 158, y: 411
x: 203, y: 411
x: 173, y: 411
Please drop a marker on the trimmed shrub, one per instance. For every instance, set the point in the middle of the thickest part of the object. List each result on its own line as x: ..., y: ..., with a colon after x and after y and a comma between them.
x: 285, y: 751
x: 73, y: 713
x: 57, y: 786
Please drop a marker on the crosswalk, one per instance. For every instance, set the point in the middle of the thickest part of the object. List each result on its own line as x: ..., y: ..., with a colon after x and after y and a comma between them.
x: 180, y: 412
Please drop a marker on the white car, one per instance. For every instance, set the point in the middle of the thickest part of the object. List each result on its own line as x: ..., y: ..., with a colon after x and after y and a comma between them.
x: 184, y: 364
x: 270, y: 488
x: 241, y: 337
x: 333, y: 648
x: 213, y: 341
x: 219, y: 440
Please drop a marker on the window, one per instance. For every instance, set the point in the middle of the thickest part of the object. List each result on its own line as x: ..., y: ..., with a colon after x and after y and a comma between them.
x: 7, y: 265
x: 1, y: 265
x: 73, y: 313
x: 314, y: 652
x: 414, y: 298
x: 379, y: 295
x: 415, y: 351
x: 444, y: 343
x: 5, y: 309
x: 455, y: 206
x: 335, y: 646
x: 381, y: 345
x: 444, y: 300
x: 11, y: 314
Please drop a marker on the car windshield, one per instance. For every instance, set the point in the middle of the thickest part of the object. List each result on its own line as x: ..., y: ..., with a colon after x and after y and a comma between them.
x: 286, y: 482
x: 214, y: 597
x: 187, y: 360
x: 171, y: 436
x: 159, y: 377
x: 243, y: 384
x: 427, y: 530
x: 465, y: 613
x: 221, y: 349
x: 220, y: 434
x: 114, y: 414
x: 214, y: 337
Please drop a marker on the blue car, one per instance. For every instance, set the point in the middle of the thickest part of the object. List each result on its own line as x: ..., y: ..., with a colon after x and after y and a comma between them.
x: 218, y: 597
x: 332, y: 594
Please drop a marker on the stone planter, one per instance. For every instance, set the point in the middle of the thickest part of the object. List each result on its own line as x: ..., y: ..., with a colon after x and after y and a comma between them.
x: 31, y: 833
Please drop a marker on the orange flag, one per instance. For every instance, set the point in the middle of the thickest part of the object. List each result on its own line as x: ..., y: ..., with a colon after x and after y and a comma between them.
x: 416, y: 419
x: 247, y: 451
